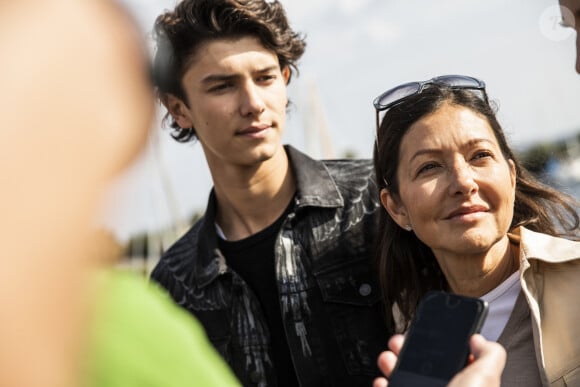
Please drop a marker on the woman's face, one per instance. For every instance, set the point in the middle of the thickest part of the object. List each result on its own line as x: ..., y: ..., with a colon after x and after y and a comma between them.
x: 456, y: 188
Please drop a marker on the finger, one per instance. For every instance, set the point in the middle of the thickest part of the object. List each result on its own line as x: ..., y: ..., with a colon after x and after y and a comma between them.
x: 487, y: 367
x: 380, y: 382
x: 396, y: 343
x: 386, y: 362
x: 491, y: 354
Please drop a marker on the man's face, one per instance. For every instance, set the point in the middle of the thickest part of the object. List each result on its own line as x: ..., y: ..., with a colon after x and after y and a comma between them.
x: 572, y: 20
x: 236, y: 95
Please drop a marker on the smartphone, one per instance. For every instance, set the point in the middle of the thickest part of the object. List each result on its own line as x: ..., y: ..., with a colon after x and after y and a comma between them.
x: 436, y: 345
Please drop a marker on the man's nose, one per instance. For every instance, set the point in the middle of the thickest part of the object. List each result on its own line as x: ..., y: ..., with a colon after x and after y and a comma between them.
x: 252, y: 101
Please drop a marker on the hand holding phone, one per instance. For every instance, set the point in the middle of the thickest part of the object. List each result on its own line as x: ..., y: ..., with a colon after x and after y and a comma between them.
x: 437, y: 343
x: 485, y: 371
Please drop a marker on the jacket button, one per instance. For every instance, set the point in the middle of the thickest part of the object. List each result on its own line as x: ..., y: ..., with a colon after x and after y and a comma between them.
x: 255, y: 377
x: 365, y: 290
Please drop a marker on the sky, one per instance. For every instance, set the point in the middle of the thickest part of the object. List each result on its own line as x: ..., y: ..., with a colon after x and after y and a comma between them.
x: 356, y: 49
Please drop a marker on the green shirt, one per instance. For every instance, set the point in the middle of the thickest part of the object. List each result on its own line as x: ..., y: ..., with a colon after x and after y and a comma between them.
x: 141, y: 338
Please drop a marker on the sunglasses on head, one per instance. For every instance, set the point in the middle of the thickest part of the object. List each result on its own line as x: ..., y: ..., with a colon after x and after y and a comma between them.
x: 400, y: 93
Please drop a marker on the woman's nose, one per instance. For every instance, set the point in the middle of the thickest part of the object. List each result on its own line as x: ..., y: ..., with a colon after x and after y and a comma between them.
x: 463, y: 180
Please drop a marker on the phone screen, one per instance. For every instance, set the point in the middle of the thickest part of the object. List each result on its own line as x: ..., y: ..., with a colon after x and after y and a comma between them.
x: 437, y: 344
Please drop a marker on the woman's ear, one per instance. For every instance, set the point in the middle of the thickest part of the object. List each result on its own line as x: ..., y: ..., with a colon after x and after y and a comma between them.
x: 513, y: 172
x: 395, y: 208
x: 178, y: 110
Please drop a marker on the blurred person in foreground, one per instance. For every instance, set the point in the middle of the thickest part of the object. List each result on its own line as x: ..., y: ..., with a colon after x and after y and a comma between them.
x: 462, y: 215
x: 278, y: 270
x: 76, y: 107
x: 572, y: 19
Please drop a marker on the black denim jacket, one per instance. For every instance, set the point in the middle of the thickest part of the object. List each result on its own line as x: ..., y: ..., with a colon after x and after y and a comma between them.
x: 329, y: 296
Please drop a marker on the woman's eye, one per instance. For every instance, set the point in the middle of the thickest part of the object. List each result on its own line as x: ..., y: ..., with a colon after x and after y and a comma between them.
x: 482, y: 154
x: 427, y: 167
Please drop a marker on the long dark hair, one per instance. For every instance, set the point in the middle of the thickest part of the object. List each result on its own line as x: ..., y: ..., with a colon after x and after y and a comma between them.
x: 407, y: 267
x: 179, y: 34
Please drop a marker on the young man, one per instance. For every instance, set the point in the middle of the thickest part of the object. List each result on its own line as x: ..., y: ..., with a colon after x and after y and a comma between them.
x: 572, y: 20
x: 278, y: 270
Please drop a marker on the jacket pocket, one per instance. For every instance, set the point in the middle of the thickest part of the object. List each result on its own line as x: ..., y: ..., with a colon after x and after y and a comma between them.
x: 352, y: 298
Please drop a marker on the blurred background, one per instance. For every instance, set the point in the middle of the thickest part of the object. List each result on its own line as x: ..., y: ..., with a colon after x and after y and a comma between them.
x: 357, y: 49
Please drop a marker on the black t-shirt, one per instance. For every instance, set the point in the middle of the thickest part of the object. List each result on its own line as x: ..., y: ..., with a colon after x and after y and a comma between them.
x: 253, y: 259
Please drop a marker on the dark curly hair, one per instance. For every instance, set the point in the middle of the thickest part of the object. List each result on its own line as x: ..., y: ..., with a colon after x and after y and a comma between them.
x: 407, y: 267
x: 179, y: 34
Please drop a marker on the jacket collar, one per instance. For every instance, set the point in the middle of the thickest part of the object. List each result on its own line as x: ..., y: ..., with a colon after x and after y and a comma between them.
x: 544, y: 247
x: 314, y: 184
x: 314, y: 187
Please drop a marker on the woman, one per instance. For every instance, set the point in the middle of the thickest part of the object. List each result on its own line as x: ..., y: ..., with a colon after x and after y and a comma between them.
x: 463, y: 215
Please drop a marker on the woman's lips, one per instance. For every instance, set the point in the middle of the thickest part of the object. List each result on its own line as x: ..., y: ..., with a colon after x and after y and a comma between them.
x: 464, y: 212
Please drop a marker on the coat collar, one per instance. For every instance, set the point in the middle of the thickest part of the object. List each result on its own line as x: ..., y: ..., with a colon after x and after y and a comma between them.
x: 544, y: 247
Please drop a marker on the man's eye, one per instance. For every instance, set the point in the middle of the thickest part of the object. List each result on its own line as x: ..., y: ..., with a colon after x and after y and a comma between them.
x: 219, y: 87
x: 266, y: 78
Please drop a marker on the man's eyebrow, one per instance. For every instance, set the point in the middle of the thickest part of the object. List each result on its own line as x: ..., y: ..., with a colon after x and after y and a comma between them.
x: 267, y: 69
x: 213, y: 78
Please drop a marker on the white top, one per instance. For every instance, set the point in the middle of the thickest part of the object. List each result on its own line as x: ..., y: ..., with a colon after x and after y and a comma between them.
x: 501, y: 302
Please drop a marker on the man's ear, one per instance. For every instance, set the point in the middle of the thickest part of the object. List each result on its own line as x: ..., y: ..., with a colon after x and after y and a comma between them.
x: 395, y: 208
x: 286, y: 74
x: 178, y: 110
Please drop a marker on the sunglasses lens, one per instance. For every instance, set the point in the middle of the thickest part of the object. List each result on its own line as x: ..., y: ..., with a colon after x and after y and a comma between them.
x: 399, y: 93
x: 392, y: 96
x: 459, y: 81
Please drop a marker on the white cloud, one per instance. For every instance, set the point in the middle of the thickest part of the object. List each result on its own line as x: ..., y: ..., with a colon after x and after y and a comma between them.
x: 352, y: 6
x: 382, y: 31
